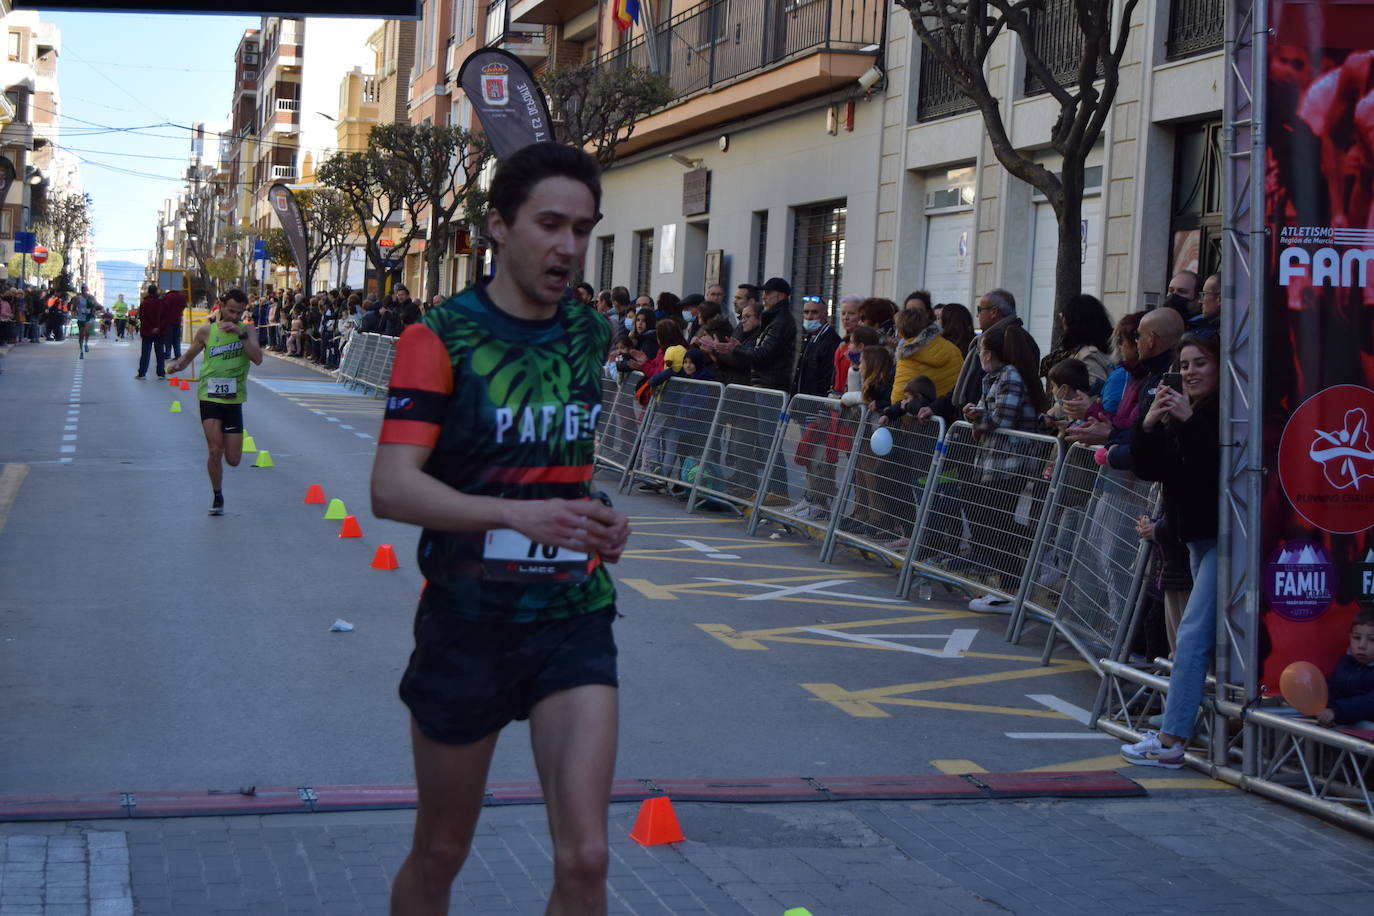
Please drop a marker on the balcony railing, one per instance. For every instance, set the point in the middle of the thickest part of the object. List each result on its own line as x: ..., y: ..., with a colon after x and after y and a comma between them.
x: 280, y: 172
x: 1195, y: 27
x: 718, y: 42
x: 288, y: 105
x: 938, y: 96
x: 500, y: 30
x: 1059, y: 42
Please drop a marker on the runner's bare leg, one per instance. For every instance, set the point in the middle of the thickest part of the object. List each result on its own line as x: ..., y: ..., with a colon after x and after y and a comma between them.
x: 214, y: 441
x: 451, y: 781
x: 573, y: 734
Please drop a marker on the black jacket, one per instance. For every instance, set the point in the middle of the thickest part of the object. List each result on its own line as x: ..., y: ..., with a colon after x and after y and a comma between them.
x: 1186, y: 459
x: 1352, y: 691
x: 371, y: 323
x: 816, y: 365
x: 770, y: 358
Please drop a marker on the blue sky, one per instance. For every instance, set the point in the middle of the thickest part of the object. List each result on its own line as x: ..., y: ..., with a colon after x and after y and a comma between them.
x: 138, y: 74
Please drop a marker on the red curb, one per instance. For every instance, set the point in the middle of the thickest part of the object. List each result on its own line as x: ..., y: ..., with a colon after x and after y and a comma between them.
x: 1097, y: 784
x: 364, y: 798
x: 630, y: 790
x: 514, y: 793
x: 273, y: 800
x: 61, y: 807
x: 792, y: 789
x: 928, y: 785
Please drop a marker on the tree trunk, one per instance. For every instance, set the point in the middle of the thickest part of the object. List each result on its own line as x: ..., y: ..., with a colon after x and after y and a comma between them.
x: 433, y: 250
x: 1068, y: 267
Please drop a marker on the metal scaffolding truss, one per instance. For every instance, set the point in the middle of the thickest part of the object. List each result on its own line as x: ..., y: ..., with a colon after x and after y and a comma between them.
x: 1320, y: 770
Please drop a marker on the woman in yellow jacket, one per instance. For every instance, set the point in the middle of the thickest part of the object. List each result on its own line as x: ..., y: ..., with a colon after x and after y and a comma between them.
x: 922, y: 351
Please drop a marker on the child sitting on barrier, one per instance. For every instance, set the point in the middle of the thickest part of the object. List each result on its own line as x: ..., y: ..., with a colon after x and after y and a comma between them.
x: 1350, y: 688
x: 682, y: 416
x: 919, y: 392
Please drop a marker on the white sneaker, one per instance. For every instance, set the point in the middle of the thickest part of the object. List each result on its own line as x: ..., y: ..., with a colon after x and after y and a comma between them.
x: 816, y: 513
x: 800, y: 509
x: 1149, y: 751
x: 989, y: 604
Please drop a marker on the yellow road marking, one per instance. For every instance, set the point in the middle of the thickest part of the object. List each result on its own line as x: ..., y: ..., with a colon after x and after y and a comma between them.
x: 957, y: 767
x: 646, y: 553
x: 10, y: 479
x: 1092, y: 764
x: 731, y: 637
x: 863, y: 703
x: 743, y: 564
x: 649, y: 590
x: 1197, y: 782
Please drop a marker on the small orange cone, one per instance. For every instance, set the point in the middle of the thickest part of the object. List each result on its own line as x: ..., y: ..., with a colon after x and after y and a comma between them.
x: 656, y: 824
x: 350, y: 528
x: 384, y: 558
x: 185, y: 385
x: 315, y: 494
x: 173, y: 382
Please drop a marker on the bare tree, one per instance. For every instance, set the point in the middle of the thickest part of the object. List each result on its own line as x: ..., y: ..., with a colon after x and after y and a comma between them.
x: 442, y: 165
x: 239, y: 243
x: 598, y: 106
x: 380, y: 191
x: 67, y: 222
x: 959, y: 35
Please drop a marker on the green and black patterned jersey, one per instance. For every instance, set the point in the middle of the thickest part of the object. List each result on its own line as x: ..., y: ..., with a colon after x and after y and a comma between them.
x: 509, y: 407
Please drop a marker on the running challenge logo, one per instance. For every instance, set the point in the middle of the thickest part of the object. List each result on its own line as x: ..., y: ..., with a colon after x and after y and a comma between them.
x: 1325, y: 256
x: 1326, y: 459
x: 1300, y: 581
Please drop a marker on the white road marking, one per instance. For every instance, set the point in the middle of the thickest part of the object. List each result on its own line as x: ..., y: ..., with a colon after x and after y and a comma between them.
x: 67, y: 449
x: 362, y: 435
x: 344, y: 426
x: 1057, y: 736
x: 332, y: 419
x: 68, y: 428
x: 956, y: 642
x: 69, y: 438
x: 710, y: 552
x: 811, y: 588
x: 1050, y: 701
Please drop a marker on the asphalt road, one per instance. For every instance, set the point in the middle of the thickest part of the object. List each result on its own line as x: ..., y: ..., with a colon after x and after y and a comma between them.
x: 145, y: 645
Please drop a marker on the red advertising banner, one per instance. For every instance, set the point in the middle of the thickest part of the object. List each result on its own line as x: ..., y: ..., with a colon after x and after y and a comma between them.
x: 1318, y: 399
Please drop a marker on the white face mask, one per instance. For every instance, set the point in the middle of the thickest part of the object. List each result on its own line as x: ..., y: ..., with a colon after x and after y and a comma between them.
x: 811, y: 325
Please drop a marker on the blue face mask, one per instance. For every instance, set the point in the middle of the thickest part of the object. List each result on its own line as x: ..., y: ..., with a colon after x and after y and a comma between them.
x: 688, y: 317
x: 629, y: 324
x: 853, y: 357
x: 811, y: 325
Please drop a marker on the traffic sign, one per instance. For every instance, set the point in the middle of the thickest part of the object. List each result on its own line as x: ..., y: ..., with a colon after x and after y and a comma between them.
x: 40, y: 254
x: 24, y: 242
x: 259, y: 250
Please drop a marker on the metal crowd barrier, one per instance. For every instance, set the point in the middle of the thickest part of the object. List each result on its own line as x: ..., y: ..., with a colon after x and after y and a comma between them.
x: 806, y: 472
x: 367, y: 362
x: 621, y: 416
x: 674, y: 433
x: 982, y: 509
x: 744, y: 433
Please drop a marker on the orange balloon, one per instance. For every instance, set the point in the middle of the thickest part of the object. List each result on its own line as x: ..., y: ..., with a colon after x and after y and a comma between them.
x: 1304, y: 687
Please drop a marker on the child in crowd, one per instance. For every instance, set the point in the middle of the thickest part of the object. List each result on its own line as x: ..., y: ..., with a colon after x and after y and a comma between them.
x: 876, y: 369
x: 1070, y: 383
x: 919, y: 392
x: 1351, y: 685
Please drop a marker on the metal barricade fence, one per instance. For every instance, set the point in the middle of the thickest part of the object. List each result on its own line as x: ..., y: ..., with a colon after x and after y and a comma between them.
x: 1093, y: 561
x: 619, y: 426
x: 672, y: 443
x: 815, y: 446
x: 371, y: 366
x: 981, y: 510
x: 743, y: 435
x: 352, y: 359
x: 885, y: 492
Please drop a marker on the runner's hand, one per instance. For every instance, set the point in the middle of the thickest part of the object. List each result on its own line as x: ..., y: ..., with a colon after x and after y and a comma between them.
x: 576, y: 524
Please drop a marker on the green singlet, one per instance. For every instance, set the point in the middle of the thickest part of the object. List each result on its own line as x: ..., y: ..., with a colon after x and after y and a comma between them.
x: 224, y: 373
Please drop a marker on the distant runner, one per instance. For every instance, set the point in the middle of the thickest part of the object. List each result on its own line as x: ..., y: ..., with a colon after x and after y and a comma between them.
x: 83, y: 312
x: 229, y: 343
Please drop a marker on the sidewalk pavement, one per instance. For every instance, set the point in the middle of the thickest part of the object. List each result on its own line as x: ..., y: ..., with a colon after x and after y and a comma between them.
x: 1176, y: 851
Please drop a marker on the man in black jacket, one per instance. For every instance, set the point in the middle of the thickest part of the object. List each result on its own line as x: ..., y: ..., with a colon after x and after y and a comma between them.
x: 815, y: 374
x: 770, y: 361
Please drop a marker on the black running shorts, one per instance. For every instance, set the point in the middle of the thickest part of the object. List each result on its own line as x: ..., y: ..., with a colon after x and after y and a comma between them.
x: 468, y: 679
x: 231, y: 415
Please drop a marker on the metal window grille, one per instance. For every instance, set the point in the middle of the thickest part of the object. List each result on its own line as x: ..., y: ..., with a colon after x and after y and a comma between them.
x: 818, y: 250
x: 760, y: 245
x: 1195, y: 27
x: 606, y: 263
x: 938, y: 96
x: 1058, y: 41
x: 644, y: 261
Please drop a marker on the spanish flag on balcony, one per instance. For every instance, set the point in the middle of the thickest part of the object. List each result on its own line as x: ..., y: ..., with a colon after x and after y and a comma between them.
x: 626, y: 13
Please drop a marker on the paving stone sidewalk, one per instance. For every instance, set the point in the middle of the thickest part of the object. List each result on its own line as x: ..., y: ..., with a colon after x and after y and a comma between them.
x: 1175, y: 852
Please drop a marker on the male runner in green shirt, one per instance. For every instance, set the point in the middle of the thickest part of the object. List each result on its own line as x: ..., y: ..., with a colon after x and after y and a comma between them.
x: 121, y: 316
x: 229, y: 343
x: 487, y: 444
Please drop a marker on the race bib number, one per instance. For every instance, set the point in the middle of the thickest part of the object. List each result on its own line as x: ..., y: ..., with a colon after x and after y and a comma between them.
x: 221, y: 387
x: 509, y: 556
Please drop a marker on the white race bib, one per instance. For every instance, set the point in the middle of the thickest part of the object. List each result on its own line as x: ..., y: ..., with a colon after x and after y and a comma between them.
x: 221, y: 387
x: 509, y: 556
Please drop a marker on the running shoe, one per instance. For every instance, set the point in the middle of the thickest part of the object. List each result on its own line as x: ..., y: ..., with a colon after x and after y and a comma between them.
x: 800, y: 509
x: 1149, y: 751
x: 990, y: 604
x: 217, y: 506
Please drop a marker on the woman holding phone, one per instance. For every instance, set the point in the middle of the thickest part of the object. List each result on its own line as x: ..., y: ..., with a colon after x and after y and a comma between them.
x: 1178, y: 444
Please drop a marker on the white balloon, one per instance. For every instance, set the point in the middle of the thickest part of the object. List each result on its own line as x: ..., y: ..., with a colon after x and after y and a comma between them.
x: 881, y: 441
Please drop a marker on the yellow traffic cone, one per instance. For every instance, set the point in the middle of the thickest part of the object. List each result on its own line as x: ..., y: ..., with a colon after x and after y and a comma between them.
x: 336, y: 510
x: 264, y: 459
x: 249, y: 446
x: 175, y: 408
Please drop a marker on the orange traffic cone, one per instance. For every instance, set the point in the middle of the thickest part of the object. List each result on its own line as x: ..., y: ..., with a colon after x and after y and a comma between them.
x: 350, y: 528
x: 385, y: 558
x: 315, y: 494
x: 656, y: 824
x: 185, y: 385
x: 175, y: 383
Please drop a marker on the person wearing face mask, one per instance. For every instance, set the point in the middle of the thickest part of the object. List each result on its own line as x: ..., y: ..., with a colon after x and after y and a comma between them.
x: 1178, y: 442
x: 690, y: 305
x: 815, y: 368
x: 1183, y: 294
